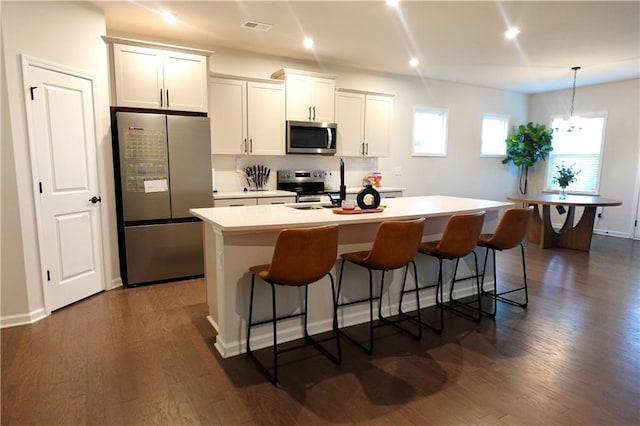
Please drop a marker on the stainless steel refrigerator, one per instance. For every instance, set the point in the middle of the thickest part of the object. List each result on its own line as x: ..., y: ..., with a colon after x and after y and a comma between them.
x: 163, y: 168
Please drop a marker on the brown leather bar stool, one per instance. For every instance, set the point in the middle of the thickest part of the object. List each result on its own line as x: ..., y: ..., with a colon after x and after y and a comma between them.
x: 395, y: 245
x: 459, y: 238
x: 301, y: 257
x: 509, y: 233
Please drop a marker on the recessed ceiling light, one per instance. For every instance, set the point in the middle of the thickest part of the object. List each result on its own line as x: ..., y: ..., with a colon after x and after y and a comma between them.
x: 414, y: 62
x: 511, y: 33
x: 308, y: 42
x: 393, y: 3
x: 169, y: 17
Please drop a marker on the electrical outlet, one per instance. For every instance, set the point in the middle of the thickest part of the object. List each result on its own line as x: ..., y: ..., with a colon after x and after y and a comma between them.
x: 398, y: 171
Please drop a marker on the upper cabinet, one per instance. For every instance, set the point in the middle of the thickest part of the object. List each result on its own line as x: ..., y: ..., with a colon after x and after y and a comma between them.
x: 154, y: 78
x: 247, y: 117
x: 364, y: 123
x: 310, y: 96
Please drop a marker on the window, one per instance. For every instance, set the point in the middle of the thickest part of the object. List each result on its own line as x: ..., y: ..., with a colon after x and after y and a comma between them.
x: 581, y: 149
x: 429, y: 131
x: 494, y: 134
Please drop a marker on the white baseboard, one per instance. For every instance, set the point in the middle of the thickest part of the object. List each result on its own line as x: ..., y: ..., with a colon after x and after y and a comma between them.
x: 22, y: 319
x: 115, y: 283
x: 612, y: 233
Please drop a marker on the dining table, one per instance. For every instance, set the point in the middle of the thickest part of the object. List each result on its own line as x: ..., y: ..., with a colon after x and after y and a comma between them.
x: 570, y: 235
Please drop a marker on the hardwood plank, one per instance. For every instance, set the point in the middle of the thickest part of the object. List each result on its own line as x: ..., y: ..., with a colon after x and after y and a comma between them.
x: 145, y: 355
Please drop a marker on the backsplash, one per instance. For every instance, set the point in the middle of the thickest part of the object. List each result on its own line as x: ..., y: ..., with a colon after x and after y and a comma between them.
x: 229, y: 176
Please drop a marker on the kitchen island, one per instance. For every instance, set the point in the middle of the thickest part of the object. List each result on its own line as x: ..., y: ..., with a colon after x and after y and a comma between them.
x: 236, y: 238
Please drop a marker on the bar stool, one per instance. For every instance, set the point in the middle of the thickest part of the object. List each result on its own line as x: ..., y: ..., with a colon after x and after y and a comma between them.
x: 301, y: 257
x: 508, y: 234
x: 395, y: 245
x: 459, y: 238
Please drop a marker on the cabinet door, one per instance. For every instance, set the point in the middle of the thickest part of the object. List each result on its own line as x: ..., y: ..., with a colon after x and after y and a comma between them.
x: 235, y: 202
x: 377, y: 125
x: 276, y: 200
x: 298, y: 98
x: 265, y: 118
x: 322, y: 100
x: 228, y: 116
x: 185, y: 82
x: 138, y: 75
x: 350, y: 119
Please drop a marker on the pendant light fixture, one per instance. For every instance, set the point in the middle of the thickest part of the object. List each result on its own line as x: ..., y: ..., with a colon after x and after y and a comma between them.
x: 573, y: 123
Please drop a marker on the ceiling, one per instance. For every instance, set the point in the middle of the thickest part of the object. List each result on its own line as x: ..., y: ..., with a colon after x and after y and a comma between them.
x: 454, y: 40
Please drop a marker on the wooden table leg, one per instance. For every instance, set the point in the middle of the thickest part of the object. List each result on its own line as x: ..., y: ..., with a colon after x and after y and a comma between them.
x: 576, y: 237
x: 534, y: 233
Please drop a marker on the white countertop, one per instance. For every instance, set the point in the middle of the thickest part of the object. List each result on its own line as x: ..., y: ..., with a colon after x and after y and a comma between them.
x: 252, y: 194
x: 278, y: 193
x: 264, y: 217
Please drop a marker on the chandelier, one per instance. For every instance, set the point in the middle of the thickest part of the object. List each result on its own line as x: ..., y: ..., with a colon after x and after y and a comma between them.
x: 573, y: 123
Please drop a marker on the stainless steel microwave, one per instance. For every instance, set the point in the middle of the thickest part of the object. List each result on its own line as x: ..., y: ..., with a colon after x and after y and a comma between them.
x: 311, y: 138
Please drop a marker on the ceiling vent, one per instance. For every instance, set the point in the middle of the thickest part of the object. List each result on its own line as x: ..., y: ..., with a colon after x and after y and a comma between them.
x: 259, y: 26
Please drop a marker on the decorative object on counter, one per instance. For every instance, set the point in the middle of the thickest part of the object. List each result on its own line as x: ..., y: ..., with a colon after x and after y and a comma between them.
x: 357, y: 210
x: 563, y: 177
x: 374, y: 179
x: 368, y: 198
x: 531, y: 144
x: 348, y: 205
x: 257, y: 177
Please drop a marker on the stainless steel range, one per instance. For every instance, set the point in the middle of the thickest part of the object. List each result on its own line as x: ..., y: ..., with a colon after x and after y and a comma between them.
x: 307, y: 184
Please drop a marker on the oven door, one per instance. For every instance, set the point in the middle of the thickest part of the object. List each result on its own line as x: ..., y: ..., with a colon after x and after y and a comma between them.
x: 311, y: 138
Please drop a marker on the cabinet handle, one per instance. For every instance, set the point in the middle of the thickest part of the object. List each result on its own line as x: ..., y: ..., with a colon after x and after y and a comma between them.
x: 167, y: 98
x: 362, y: 150
x: 309, y: 113
x: 314, y: 113
x: 161, y: 104
x: 251, y: 145
x: 244, y: 145
x: 367, y: 145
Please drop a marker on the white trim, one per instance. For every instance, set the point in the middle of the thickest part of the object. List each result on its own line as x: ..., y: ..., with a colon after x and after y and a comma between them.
x: 115, y: 283
x: 609, y: 233
x: 155, y: 45
x: 22, y: 319
x: 27, y: 61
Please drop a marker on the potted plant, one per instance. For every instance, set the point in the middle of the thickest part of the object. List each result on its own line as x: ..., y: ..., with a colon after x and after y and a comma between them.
x: 531, y: 144
x: 564, y: 176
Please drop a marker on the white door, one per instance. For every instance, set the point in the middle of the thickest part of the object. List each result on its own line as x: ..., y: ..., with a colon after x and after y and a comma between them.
x: 185, y: 81
x: 350, y: 119
x: 377, y: 123
x: 265, y: 118
x: 63, y: 143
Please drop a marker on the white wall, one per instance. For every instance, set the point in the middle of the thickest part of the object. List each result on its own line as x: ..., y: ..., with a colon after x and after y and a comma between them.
x: 621, y: 101
x: 461, y: 173
x: 67, y: 34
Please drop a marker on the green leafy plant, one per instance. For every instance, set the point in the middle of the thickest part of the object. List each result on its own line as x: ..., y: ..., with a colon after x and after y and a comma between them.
x: 565, y: 175
x: 529, y: 145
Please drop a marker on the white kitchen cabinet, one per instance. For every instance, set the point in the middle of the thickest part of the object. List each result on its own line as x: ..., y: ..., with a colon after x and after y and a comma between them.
x: 276, y: 200
x: 310, y: 96
x: 364, y: 123
x: 247, y: 117
x: 252, y: 201
x: 384, y: 193
x: 235, y: 202
x: 155, y: 78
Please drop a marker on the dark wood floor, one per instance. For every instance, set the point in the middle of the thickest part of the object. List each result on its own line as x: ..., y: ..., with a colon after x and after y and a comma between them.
x: 146, y: 356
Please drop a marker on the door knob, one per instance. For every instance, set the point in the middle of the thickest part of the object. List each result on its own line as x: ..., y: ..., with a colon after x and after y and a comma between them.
x: 95, y: 199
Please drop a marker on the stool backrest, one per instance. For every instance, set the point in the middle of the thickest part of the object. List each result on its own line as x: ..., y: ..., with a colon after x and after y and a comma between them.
x: 460, y: 235
x: 396, y: 244
x: 512, y: 228
x: 304, y: 255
